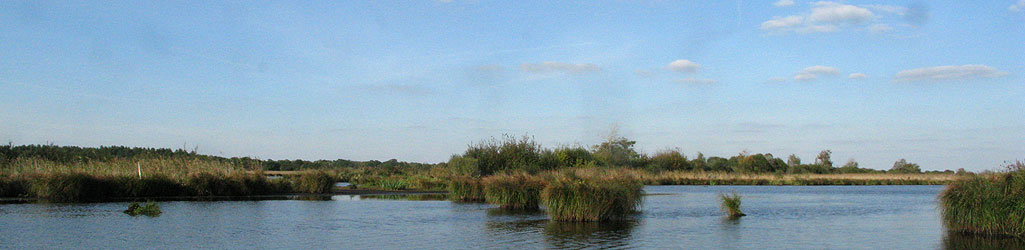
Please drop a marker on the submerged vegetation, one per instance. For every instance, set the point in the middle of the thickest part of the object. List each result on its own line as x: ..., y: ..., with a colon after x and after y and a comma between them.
x: 731, y: 205
x: 987, y: 204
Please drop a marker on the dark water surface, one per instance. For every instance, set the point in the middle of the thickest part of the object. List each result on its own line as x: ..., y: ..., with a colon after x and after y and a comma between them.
x: 779, y: 217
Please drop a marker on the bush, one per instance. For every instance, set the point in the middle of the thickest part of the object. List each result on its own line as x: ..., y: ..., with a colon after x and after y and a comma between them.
x: 731, y: 204
x: 151, y: 209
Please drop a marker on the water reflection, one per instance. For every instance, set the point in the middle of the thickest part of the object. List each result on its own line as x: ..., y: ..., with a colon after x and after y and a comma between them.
x: 578, y: 235
x: 960, y: 241
x: 406, y: 197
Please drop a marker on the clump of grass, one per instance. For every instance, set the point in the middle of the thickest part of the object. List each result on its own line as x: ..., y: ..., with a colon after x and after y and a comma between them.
x: 466, y: 189
x: 315, y: 182
x: 13, y: 187
x: 992, y: 204
x: 151, y: 209
x: 520, y: 192
x: 597, y: 199
x: 731, y: 204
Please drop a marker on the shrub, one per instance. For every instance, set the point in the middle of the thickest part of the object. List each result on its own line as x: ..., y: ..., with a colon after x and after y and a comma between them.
x: 315, y: 182
x: 151, y: 209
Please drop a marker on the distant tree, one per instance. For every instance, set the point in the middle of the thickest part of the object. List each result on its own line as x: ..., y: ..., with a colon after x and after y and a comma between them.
x: 851, y: 167
x: 903, y: 166
x: 616, y: 150
x: 793, y: 161
x: 824, y: 158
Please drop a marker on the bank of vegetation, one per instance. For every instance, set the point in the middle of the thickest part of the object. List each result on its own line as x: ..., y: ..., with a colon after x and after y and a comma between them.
x: 987, y: 204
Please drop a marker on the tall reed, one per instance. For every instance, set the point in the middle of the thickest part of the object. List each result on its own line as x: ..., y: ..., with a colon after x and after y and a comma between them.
x: 596, y: 199
x: 466, y: 189
x: 513, y: 191
x: 992, y: 204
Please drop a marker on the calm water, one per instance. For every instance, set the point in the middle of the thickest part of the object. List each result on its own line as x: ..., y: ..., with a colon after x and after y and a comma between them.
x: 800, y: 217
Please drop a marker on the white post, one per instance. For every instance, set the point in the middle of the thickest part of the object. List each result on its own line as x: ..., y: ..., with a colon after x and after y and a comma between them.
x: 137, y: 165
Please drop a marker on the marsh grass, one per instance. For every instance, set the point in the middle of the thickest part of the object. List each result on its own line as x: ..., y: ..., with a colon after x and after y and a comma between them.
x: 466, y: 189
x: 731, y: 204
x: 150, y: 209
x: 315, y: 182
x: 519, y: 192
x: 987, y: 204
x: 569, y: 198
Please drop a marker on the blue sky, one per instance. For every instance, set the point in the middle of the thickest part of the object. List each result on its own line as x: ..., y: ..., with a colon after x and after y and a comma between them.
x: 939, y: 83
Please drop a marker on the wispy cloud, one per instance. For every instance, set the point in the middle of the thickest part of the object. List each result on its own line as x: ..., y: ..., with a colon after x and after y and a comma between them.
x: 813, y: 72
x: 857, y: 76
x: 827, y: 16
x: 783, y: 3
x: 560, y: 67
x: 683, y: 65
x: 948, y: 73
x: 691, y: 80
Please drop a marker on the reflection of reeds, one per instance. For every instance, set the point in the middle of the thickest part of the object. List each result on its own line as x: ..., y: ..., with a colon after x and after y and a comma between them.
x: 961, y: 241
x: 513, y: 191
x: 990, y: 204
x: 591, y: 199
x: 731, y: 204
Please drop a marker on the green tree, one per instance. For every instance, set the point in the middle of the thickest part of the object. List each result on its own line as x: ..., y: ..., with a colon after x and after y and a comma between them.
x: 616, y: 150
x: 793, y: 161
x: 824, y: 158
x: 905, y: 167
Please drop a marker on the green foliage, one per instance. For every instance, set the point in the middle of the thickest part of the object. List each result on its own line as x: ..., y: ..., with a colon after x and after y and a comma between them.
x: 494, y: 155
x: 731, y: 204
x: 904, y: 167
x: 519, y: 192
x: 616, y: 151
x: 574, y: 199
x: 150, y: 209
x: 669, y: 160
x: 315, y: 182
x: 992, y: 204
x: 824, y: 158
x: 466, y: 189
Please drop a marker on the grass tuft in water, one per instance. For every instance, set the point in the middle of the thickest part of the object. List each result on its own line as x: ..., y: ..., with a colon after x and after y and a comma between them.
x: 150, y: 209
x: 594, y: 199
x: 519, y: 191
x: 731, y: 204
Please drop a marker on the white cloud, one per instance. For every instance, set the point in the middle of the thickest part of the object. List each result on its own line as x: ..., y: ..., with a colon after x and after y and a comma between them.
x: 778, y: 23
x: 827, y: 16
x: 880, y: 28
x: 813, y: 72
x: 683, y: 65
x: 804, y: 77
x: 898, y: 10
x: 952, y: 72
x: 691, y: 80
x: 1017, y: 6
x: 821, y: 70
x: 784, y: 3
x: 559, y: 67
x: 831, y: 12
x: 857, y: 76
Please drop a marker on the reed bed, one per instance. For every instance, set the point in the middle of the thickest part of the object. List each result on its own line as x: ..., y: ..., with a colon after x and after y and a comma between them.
x: 570, y: 198
x: 149, y: 177
x: 987, y: 204
x: 724, y: 178
x: 519, y: 192
x: 466, y: 189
